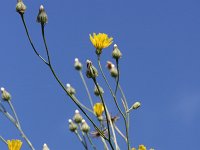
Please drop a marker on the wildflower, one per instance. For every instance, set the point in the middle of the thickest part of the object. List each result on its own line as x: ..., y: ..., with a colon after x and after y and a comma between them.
x: 133, y: 148
x: 97, y: 134
x: 14, y: 144
x: 98, y: 109
x: 109, y: 65
x: 45, y: 147
x: 116, y: 52
x: 85, y: 127
x: 42, y: 16
x: 141, y: 147
x: 20, y: 7
x: 77, y: 64
x: 5, y: 95
x: 100, y: 41
x: 77, y: 117
x: 136, y: 105
x: 96, y: 91
x: 91, y: 70
x: 72, y: 126
x: 113, y: 71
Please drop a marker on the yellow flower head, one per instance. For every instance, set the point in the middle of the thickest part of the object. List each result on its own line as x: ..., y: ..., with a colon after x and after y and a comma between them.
x: 141, y: 147
x: 14, y: 144
x: 133, y: 148
x: 98, y: 109
x: 100, y: 41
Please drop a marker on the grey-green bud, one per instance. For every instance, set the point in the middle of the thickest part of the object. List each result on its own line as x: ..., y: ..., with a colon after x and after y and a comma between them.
x: 70, y: 89
x: 77, y: 64
x: 42, y: 16
x: 136, y: 105
x: 72, y: 126
x: 91, y: 70
x: 20, y: 7
x: 77, y: 117
x: 85, y: 127
x: 5, y: 95
x: 116, y: 52
x: 113, y: 71
x: 96, y: 91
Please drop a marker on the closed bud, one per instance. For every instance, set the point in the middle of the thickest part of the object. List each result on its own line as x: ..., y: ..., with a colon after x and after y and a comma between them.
x: 85, y: 127
x: 113, y: 71
x: 116, y: 52
x: 77, y: 64
x: 77, y: 117
x: 20, y: 7
x: 91, y: 70
x: 72, y: 126
x: 70, y: 89
x: 96, y: 91
x: 45, y: 147
x: 100, y: 118
x: 136, y: 105
x: 42, y: 16
x: 5, y: 95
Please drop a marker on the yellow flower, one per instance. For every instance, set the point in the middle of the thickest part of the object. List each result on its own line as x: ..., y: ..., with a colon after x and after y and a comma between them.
x: 100, y: 41
x: 14, y: 144
x: 133, y: 148
x: 141, y: 147
x: 98, y: 109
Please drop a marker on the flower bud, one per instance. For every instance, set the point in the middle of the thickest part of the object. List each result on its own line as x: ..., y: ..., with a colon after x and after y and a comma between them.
x: 70, y: 89
x: 91, y: 70
x: 116, y: 52
x: 77, y: 117
x: 20, y: 7
x: 45, y: 147
x: 96, y: 91
x: 85, y: 127
x: 72, y: 126
x: 42, y: 16
x: 100, y: 118
x: 136, y: 105
x: 77, y: 64
x: 5, y: 95
x: 113, y: 71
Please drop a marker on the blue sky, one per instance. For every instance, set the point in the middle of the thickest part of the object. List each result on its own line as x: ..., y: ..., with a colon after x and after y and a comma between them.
x: 160, y: 67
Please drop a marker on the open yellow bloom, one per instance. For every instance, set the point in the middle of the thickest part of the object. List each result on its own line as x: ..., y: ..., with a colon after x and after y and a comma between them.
x: 98, y: 109
x: 100, y: 41
x: 14, y: 144
x: 141, y: 147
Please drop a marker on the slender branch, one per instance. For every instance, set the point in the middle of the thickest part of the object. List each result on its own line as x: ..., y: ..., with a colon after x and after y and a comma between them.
x: 106, y: 112
x: 90, y: 140
x: 29, y: 38
x: 114, y: 97
x: 86, y: 87
x: 3, y: 140
x: 81, y: 140
x: 122, y: 135
x: 105, y: 144
x: 117, y: 62
x: 14, y: 112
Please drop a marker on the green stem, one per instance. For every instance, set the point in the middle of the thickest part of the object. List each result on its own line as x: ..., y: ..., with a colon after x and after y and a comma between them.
x: 116, y: 103
x: 86, y: 87
x: 117, y: 62
x: 3, y: 140
x: 120, y: 133
x: 90, y: 140
x: 14, y: 112
x: 29, y: 38
x: 81, y: 140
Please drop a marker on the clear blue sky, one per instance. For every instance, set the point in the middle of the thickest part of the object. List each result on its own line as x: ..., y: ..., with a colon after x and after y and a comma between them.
x: 160, y: 42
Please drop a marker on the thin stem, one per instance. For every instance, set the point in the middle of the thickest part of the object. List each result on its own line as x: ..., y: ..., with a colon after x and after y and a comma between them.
x: 85, y: 107
x: 81, y: 140
x: 14, y: 112
x: 73, y: 98
x: 90, y: 140
x: 114, y: 97
x: 3, y: 140
x: 106, y: 112
x: 117, y: 62
x: 29, y: 38
x: 19, y: 129
x: 105, y: 144
x: 83, y: 134
x: 86, y: 87
x: 122, y: 135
